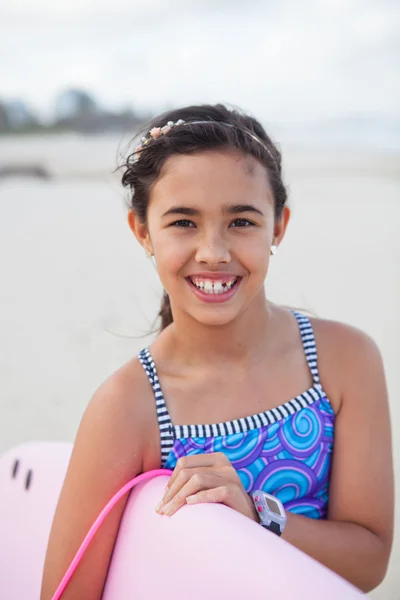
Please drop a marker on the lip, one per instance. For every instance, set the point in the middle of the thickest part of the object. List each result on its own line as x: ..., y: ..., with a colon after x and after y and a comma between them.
x: 214, y: 298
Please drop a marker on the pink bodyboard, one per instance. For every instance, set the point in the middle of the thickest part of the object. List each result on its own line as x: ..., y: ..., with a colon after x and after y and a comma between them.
x: 202, y: 552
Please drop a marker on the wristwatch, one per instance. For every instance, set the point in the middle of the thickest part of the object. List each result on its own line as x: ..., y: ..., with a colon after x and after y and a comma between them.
x: 270, y: 511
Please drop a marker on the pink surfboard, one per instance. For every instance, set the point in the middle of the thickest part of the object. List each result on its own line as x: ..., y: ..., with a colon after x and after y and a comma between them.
x: 203, y: 551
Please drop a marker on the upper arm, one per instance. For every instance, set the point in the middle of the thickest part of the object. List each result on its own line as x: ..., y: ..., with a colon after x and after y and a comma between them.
x: 107, y: 453
x: 361, y: 487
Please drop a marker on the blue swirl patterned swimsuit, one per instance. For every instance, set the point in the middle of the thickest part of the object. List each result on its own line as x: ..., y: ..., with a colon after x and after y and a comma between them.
x: 285, y: 451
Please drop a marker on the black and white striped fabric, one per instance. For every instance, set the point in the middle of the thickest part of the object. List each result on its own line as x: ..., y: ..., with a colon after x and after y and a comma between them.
x: 164, y: 420
x: 169, y: 432
x: 309, y: 345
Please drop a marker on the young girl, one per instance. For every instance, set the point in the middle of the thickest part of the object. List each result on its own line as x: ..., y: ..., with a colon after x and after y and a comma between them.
x: 232, y: 394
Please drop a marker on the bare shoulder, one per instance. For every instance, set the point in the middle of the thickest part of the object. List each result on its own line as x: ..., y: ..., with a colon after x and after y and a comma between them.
x: 121, y: 395
x: 346, y: 356
x: 341, y: 337
x: 123, y: 407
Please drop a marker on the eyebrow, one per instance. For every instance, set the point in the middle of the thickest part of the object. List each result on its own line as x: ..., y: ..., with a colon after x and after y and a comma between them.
x: 192, y: 212
x: 241, y: 208
x: 182, y: 210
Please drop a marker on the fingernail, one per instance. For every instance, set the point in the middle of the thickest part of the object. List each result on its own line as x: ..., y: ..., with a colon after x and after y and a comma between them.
x: 158, y: 507
x: 168, y: 509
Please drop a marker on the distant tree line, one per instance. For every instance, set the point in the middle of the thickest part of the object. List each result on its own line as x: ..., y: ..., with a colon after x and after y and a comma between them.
x: 74, y: 110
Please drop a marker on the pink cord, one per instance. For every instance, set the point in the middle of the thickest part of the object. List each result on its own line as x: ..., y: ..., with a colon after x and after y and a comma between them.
x: 71, y: 569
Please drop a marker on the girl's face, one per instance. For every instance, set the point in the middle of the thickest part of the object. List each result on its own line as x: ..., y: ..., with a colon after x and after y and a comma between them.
x: 210, y: 225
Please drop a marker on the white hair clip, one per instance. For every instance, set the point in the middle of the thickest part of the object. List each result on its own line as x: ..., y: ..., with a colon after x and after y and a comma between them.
x: 153, y: 134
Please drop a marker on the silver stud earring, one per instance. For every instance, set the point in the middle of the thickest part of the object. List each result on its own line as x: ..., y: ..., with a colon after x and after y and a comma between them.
x: 274, y: 249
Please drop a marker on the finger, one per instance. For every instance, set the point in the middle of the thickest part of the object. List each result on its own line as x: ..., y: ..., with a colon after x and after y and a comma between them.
x: 227, y: 473
x: 198, y: 482
x: 229, y: 495
x: 181, y: 478
x: 220, y: 495
x: 196, y: 461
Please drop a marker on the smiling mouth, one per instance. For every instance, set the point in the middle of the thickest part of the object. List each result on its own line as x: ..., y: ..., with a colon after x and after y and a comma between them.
x: 213, y: 287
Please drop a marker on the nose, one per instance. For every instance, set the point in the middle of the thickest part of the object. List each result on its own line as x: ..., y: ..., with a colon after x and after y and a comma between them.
x: 213, y: 252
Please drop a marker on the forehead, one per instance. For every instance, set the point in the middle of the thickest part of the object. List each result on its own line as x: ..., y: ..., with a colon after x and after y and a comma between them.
x: 213, y: 176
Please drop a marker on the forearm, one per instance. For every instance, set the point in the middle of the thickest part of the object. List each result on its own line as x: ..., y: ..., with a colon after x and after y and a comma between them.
x: 352, y: 551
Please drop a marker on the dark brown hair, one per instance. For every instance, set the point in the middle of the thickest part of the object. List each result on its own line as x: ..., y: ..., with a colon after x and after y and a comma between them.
x: 221, y: 128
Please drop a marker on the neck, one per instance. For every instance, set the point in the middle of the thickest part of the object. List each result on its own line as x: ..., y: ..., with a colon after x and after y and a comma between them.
x: 238, y: 341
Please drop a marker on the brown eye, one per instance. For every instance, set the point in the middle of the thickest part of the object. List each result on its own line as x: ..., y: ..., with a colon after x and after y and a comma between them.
x: 182, y: 223
x: 242, y: 223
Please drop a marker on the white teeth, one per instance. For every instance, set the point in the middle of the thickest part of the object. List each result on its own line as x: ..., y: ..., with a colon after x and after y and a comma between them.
x: 213, y: 287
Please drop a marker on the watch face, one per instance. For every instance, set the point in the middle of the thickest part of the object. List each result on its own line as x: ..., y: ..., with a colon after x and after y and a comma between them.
x: 272, y: 505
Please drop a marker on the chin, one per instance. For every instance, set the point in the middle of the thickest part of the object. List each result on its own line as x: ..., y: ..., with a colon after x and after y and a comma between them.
x: 215, y: 318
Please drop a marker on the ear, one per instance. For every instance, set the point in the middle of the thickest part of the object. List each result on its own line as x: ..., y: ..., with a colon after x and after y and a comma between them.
x: 140, y: 231
x: 281, y: 225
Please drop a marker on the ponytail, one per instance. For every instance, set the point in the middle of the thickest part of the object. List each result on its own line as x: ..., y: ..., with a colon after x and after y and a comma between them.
x: 165, y: 312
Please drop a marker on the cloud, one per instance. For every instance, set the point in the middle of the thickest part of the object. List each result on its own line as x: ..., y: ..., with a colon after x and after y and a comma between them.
x: 281, y: 60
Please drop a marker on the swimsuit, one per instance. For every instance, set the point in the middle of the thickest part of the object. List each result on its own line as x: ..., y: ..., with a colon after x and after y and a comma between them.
x: 285, y: 451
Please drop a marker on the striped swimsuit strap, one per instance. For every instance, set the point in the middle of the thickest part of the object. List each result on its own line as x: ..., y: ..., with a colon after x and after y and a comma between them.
x: 169, y: 432
x: 164, y: 420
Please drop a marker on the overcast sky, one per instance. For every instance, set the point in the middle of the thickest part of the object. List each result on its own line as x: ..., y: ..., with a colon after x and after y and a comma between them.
x: 281, y: 59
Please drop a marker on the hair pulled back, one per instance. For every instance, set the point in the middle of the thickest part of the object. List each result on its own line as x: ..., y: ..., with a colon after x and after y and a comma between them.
x: 222, y: 128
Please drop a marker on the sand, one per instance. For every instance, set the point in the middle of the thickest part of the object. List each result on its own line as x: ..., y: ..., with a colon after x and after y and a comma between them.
x: 77, y: 292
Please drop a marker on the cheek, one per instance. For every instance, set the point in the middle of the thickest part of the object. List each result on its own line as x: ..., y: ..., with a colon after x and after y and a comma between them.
x: 171, y: 254
x: 254, y: 254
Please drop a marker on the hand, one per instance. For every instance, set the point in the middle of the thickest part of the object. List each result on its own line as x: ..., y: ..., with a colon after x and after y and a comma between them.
x: 207, y: 478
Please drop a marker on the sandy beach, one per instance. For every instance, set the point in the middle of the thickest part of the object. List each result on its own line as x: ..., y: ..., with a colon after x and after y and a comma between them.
x: 77, y: 295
